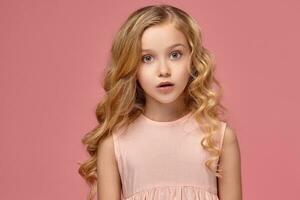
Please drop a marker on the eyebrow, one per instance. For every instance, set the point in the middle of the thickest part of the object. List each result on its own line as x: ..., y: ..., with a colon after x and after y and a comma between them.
x: 170, y: 47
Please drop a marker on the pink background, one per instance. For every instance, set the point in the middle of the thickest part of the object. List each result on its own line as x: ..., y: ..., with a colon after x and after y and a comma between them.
x: 52, y: 56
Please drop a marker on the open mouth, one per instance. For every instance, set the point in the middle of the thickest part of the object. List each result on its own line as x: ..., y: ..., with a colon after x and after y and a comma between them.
x: 166, y: 88
x: 166, y: 85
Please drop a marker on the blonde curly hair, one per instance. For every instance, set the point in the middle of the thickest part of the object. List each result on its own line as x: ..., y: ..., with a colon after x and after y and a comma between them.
x: 124, y: 99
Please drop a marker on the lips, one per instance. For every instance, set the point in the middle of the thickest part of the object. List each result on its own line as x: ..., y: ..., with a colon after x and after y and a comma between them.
x: 166, y: 88
x: 165, y: 83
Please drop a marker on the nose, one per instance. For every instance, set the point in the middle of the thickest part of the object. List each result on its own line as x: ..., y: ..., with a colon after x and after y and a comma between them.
x: 164, y: 69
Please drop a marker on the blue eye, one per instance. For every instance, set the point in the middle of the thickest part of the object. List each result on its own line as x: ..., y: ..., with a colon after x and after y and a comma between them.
x: 146, y: 56
x: 173, y: 53
x: 177, y: 52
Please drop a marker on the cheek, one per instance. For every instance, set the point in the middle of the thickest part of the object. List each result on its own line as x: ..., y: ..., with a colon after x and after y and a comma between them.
x: 143, y: 79
x: 183, y: 73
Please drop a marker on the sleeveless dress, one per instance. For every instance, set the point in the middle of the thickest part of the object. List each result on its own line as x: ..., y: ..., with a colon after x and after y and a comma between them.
x: 164, y: 160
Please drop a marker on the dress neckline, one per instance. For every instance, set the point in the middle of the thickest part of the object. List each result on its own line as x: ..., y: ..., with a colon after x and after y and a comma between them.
x: 166, y: 123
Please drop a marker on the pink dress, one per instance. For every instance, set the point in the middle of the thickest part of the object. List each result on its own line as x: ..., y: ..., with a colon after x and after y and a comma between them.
x: 164, y: 160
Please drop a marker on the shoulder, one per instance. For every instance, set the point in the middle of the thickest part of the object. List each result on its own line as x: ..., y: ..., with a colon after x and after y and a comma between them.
x: 106, y: 142
x: 226, y: 136
x: 230, y: 155
x: 109, y: 181
x: 230, y: 185
x: 230, y: 137
x: 109, y: 146
x: 106, y: 148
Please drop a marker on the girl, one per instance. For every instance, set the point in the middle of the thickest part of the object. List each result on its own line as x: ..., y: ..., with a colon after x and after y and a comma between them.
x: 160, y: 134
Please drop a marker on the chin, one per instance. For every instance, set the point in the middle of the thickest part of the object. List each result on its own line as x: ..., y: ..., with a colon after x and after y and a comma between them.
x: 167, y: 99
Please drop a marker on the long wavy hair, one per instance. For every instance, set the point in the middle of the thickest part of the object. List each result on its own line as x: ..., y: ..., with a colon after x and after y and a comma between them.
x: 124, y: 99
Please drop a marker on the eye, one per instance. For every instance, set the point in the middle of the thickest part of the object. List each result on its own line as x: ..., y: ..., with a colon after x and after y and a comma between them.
x: 146, y: 56
x: 176, y: 53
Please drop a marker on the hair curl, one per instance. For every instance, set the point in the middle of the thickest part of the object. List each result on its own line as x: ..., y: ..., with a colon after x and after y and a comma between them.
x: 124, y: 99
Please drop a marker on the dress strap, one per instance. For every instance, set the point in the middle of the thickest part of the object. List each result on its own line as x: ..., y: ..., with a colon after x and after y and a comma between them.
x: 117, y: 149
x: 223, y: 127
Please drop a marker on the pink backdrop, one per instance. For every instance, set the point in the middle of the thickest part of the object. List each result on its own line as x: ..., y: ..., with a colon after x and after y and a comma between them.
x: 53, y: 53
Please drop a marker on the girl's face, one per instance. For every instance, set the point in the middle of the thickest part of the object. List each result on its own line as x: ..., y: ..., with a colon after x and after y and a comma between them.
x: 165, y: 57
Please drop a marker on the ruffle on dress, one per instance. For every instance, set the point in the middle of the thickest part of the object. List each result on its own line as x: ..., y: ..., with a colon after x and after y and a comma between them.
x: 173, y: 193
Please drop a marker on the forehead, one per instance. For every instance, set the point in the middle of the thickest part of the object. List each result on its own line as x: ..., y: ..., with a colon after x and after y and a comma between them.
x: 160, y: 37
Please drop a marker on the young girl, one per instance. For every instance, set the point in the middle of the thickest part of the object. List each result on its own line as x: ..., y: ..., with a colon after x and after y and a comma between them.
x: 160, y: 135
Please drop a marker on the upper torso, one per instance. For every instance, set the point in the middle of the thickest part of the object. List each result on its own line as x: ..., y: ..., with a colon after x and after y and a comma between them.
x: 164, y: 160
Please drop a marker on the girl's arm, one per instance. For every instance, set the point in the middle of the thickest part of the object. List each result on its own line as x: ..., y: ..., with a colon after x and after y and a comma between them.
x: 109, y: 182
x: 230, y: 185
